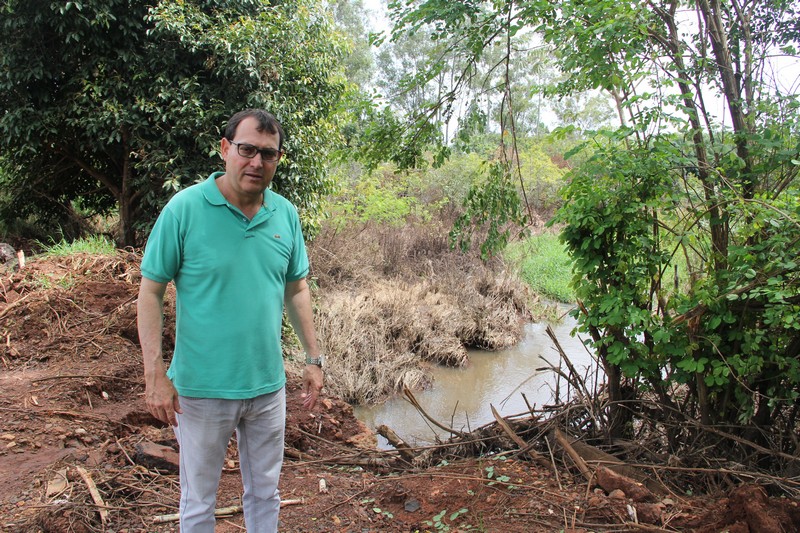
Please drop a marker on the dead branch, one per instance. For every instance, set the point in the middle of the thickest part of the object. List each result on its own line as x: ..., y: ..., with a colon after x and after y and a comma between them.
x: 222, y: 511
x: 11, y: 306
x: 576, y: 458
x: 399, y: 444
x: 410, y: 396
x: 96, y: 497
x: 533, y: 454
x: 72, y: 414
x: 83, y: 376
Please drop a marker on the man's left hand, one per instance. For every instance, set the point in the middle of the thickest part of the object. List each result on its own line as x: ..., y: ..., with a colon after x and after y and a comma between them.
x: 312, y: 385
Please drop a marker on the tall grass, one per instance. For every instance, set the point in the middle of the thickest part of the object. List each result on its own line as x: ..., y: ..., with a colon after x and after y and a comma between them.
x: 543, y: 264
x: 93, y: 244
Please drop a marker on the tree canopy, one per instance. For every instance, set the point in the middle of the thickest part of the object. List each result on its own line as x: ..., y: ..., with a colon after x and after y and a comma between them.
x: 119, y: 103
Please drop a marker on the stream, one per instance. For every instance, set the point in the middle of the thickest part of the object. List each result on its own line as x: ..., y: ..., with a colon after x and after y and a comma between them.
x: 461, y: 397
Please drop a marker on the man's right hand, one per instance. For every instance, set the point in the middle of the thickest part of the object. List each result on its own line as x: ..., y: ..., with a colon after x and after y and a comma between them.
x: 162, y: 400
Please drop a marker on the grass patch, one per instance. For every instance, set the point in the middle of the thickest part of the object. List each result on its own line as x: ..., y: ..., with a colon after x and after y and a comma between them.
x: 543, y: 264
x: 93, y: 244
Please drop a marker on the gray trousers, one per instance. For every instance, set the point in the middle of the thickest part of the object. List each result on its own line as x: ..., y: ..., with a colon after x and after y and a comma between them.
x: 203, y: 432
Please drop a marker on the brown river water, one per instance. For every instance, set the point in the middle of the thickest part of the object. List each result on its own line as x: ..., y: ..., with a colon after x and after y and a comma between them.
x: 461, y: 398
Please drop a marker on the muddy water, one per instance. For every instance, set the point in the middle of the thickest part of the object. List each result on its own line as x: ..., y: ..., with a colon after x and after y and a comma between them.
x: 461, y: 398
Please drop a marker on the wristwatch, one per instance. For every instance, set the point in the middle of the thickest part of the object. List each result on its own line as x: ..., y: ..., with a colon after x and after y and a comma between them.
x: 317, y: 361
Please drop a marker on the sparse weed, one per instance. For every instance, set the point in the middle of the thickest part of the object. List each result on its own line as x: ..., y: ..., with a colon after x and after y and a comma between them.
x: 490, y: 473
x: 441, y: 522
x: 45, y: 282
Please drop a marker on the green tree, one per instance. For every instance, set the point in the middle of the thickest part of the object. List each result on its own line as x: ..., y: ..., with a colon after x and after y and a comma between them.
x: 116, y: 104
x: 713, y: 207
x: 684, y: 221
x: 359, y: 65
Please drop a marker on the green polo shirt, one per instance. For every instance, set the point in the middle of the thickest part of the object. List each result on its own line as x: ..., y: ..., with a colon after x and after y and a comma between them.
x: 229, y: 274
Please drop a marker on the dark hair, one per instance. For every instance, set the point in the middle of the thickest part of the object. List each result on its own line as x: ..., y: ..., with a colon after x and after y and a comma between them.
x: 266, y: 122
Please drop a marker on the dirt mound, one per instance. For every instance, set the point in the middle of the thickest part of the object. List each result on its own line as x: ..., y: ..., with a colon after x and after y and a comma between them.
x: 74, y: 426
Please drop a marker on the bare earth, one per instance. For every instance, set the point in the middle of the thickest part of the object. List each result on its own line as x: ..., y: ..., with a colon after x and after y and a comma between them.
x: 72, y: 422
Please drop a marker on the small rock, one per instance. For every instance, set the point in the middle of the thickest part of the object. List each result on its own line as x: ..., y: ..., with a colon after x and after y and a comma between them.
x: 649, y: 513
x: 156, y: 456
x: 596, y: 501
x: 411, y: 505
x: 7, y: 253
x: 617, y: 494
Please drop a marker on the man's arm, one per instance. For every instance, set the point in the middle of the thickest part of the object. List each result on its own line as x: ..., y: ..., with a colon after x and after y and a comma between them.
x: 297, y: 299
x: 160, y: 395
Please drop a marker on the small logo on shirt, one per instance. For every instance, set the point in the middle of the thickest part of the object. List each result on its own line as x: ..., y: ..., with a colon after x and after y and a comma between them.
x: 277, y: 236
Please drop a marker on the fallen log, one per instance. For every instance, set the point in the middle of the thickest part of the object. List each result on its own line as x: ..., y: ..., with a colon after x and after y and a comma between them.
x: 595, y: 457
x: 399, y: 444
x: 588, y: 459
x: 609, y: 481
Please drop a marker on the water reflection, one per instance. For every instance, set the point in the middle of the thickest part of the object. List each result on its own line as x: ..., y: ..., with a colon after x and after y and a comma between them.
x: 461, y: 398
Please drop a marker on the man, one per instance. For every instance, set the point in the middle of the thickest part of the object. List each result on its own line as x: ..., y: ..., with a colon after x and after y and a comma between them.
x: 235, y: 252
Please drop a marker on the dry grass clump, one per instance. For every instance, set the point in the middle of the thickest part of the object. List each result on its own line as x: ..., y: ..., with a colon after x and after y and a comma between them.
x: 363, y: 365
x: 351, y: 255
x: 496, y: 306
x: 392, y: 301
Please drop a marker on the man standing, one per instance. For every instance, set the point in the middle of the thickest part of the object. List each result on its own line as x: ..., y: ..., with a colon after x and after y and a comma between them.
x: 236, y: 254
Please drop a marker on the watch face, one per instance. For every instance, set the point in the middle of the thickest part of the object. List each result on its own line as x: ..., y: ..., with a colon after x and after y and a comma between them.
x: 318, y: 361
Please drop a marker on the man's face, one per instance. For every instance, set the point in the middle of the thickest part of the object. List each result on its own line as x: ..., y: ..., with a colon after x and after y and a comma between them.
x: 249, y: 177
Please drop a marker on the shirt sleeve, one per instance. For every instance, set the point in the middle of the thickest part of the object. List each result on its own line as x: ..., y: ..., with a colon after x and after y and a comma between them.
x: 162, y: 253
x: 298, y: 263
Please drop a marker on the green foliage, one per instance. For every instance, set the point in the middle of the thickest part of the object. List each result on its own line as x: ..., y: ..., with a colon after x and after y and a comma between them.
x: 492, y: 207
x: 383, y: 135
x: 609, y: 214
x: 726, y: 332
x: 684, y: 245
x: 449, y: 184
x: 120, y: 103
x: 491, y: 474
x: 381, y: 197
x: 541, y: 178
x: 544, y: 265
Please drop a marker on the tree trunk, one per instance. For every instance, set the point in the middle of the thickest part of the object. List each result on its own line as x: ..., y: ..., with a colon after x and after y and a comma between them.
x: 711, y: 11
x: 125, y: 199
x: 716, y: 213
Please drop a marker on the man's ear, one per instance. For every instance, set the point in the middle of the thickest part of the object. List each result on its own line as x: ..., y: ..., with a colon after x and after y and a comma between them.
x: 224, y: 146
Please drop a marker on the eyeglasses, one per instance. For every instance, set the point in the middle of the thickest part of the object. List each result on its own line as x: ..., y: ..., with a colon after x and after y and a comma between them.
x: 249, y: 151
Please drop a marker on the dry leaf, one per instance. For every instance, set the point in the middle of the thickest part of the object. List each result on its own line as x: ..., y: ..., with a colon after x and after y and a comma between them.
x: 58, y: 483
